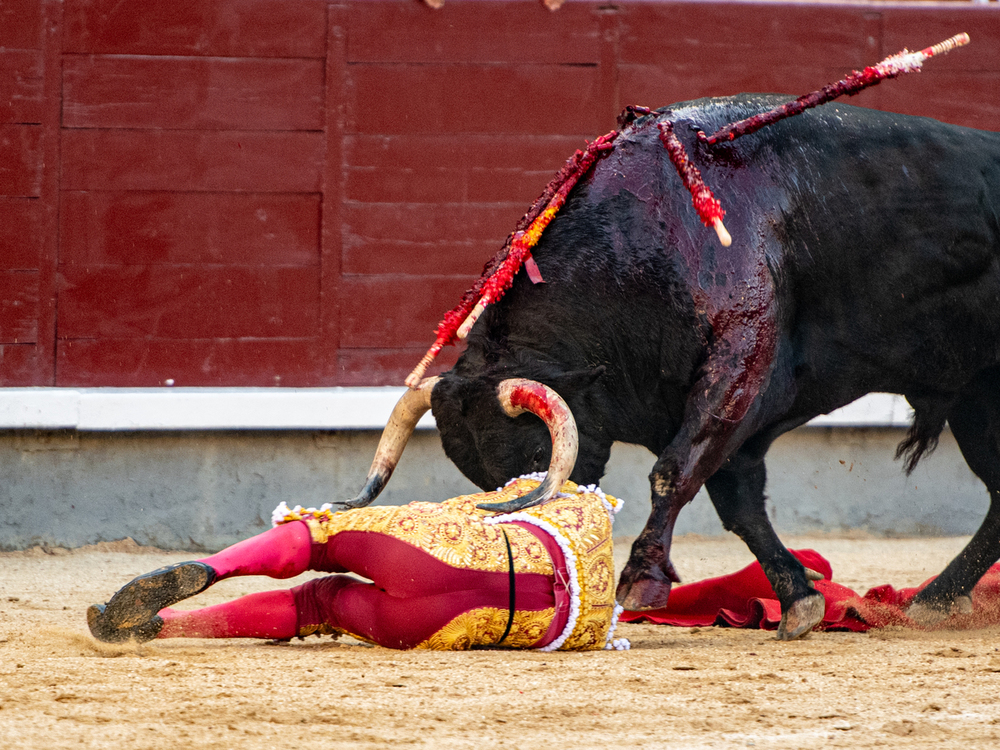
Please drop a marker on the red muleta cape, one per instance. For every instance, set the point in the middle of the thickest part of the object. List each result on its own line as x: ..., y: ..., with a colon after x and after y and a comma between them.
x: 745, y: 599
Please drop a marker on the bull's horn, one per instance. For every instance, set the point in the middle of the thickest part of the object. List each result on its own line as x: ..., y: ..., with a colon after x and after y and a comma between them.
x: 518, y: 396
x: 413, y: 404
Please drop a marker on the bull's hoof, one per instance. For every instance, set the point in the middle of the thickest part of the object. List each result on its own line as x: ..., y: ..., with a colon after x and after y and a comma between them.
x: 802, y: 617
x: 962, y: 605
x: 928, y: 615
x: 644, y: 595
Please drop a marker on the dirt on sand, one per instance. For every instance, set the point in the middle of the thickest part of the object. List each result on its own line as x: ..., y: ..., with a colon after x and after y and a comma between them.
x: 676, y: 688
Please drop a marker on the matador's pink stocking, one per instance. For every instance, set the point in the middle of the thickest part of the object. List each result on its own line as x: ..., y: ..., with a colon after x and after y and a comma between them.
x: 268, y: 614
x: 281, y: 552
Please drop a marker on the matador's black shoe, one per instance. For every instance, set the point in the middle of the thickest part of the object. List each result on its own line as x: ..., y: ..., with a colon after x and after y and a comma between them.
x: 131, y: 611
x: 103, y: 631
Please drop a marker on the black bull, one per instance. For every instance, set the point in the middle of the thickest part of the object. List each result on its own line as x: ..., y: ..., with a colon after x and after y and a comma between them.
x: 865, y: 257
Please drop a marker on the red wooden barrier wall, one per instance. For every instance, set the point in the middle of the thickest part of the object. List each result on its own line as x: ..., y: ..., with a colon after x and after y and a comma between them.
x: 292, y: 192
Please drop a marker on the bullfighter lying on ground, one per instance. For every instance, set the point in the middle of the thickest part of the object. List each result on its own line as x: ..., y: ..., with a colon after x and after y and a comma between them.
x: 445, y: 575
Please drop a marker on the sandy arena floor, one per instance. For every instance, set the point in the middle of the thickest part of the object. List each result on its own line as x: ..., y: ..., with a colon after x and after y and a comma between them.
x: 677, y: 688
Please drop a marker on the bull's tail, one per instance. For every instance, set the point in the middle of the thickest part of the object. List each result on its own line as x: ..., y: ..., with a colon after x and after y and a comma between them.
x: 929, y: 417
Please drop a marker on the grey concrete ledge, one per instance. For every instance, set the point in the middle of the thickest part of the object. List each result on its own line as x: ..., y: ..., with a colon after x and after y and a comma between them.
x: 202, y: 468
x: 151, y: 409
x: 205, y: 489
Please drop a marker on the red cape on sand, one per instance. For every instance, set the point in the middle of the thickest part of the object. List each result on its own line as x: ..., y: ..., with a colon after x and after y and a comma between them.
x: 745, y: 599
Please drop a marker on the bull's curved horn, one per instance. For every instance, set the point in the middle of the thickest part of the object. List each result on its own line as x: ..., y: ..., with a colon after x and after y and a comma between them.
x: 518, y: 396
x: 408, y: 410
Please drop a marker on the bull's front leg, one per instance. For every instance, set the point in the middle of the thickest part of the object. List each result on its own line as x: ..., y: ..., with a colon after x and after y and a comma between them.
x: 718, y: 418
x: 737, y: 491
x: 677, y: 476
x: 718, y: 404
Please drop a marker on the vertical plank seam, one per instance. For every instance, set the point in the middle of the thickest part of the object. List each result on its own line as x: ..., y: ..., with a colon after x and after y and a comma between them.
x: 331, y: 236
x: 609, y: 34
x: 48, y: 303
x: 873, y: 24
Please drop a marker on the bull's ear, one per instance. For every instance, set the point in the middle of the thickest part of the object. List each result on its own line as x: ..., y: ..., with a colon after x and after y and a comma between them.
x: 449, y: 394
x: 578, y: 380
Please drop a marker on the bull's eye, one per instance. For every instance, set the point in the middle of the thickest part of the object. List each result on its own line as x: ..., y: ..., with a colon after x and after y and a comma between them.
x: 538, y: 459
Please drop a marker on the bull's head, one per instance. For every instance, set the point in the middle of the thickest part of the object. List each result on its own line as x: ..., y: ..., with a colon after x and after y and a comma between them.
x: 508, y: 401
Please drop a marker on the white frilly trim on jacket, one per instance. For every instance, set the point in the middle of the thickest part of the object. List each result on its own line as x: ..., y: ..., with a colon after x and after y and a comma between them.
x: 283, y: 514
x: 618, y: 644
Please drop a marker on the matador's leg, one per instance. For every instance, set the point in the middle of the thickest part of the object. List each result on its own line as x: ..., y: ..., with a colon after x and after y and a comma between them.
x: 281, y: 552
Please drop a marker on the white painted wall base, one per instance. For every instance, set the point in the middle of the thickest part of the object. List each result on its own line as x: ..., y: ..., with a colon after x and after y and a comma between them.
x: 115, y: 409
x: 120, y: 409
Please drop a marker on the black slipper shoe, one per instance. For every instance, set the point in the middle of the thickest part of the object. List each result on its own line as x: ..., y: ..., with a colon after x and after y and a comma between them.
x: 138, y: 601
x: 103, y: 631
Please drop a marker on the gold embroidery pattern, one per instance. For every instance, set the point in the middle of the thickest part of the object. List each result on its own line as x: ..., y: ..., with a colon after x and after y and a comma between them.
x: 584, y: 523
x: 320, y: 629
x: 483, y: 627
x: 454, y: 532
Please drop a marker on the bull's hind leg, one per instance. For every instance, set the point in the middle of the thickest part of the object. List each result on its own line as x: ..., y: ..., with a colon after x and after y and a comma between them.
x: 737, y: 491
x: 975, y: 423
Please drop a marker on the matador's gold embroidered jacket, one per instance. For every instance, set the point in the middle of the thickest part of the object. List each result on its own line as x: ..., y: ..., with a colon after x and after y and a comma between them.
x: 459, y: 534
